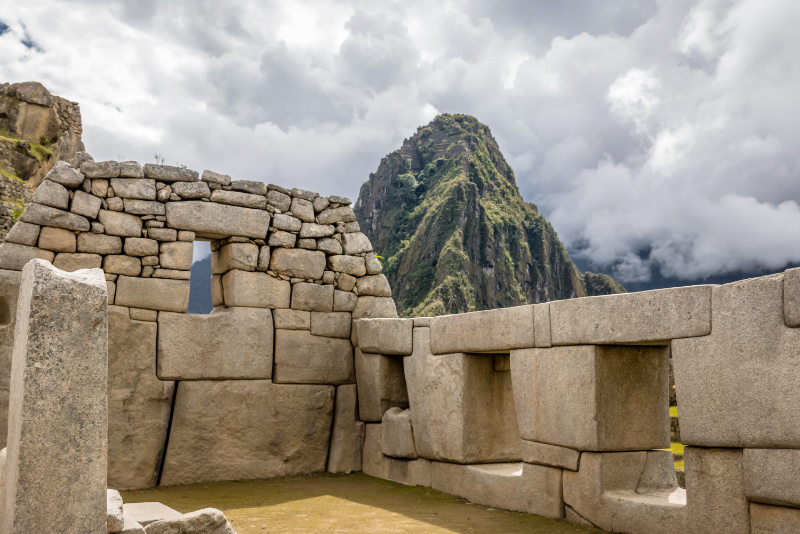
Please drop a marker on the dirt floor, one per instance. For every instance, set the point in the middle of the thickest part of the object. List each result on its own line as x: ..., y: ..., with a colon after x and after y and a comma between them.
x: 345, y: 503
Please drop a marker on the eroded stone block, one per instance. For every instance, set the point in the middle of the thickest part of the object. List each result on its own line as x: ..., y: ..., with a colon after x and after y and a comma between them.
x: 301, y: 358
x: 298, y: 263
x: 213, y: 220
x: 385, y: 336
x: 153, y: 293
x: 255, y: 289
x: 332, y: 324
x: 771, y: 476
x: 312, y: 297
x: 773, y: 519
x: 551, y: 455
x: 716, y: 500
x: 348, y: 433
x: 484, y: 331
x: 397, y: 434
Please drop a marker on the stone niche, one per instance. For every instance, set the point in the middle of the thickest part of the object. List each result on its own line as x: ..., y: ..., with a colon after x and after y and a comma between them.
x: 290, y: 269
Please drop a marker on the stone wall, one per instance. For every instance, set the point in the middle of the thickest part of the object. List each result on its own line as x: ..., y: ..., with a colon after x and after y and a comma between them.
x: 262, y: 386
x: 561, y: 409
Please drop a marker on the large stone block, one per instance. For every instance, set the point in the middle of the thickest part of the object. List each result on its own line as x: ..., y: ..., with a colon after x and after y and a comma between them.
x: 647, y: 316
x: 593, y: 398
x: 228, y: 343
x: 552, y: 455
x: 54, y: 477
x: 169, y: 173
x: 9, y: 294
x: 298, y: 263
x: 347, y: 435
x: 716, y: 500
x: 381, y: 385
x: 242, y: 256
x: 301, y: 358
x: 770, y: 476
x: 352, y: 265
x: 143, y: 189
x: 603, y: 492
x: 99, y: 243
x: 207, y: 521
x: 385, y: 336
x: 176, y: 255
x: 23, y: 233
x: 397, y: 434
x: 138, y: 403
x: 285, y: 430
x: 312, y: 297
x: 374, y: 307
x: 773, y: 519
x: 57, y: 240
x: 212, y: 220
x: 737, y: 387
x: 85, y: 204
x: 462, y: 409
x: 375, y: 285
x: 74, y: 262
x: 256, y: 290
x: 791, y: 297
x: 47, y: 216
x: 153, y: 293
x: 52, y: 194
x: 120, y: 224
x: 484, y: 331
x: 14, y: 257
x: 333, y: 324
x: 288, y: 319
x: 411, y: 473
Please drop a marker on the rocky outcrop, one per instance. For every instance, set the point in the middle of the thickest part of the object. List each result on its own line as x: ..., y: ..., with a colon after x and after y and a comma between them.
x: 445, y: 212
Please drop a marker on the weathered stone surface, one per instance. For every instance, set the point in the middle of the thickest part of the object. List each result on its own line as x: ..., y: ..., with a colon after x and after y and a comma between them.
x: 120, y: 224
x: 249, y: 186
x: 333, y: 324
x: 139, y: 314
x: 716, y: 500
x: 153, y: 293
x: 463, y: 411
x: 376, y: 285
x: 209, y: 219
x: 372, y: 263
x: 773, y: 519
x: 243, y: 256
x: 292, y: 319
x: 343, y: 300
x: 356, y: 243
x: 191, y: 347
x: 352, y: 265
x: 176, y: 255
x: 320, y: 203
x: 23, y: 233
x: 73, y: 262
x: 301, y: 358
x: 305, y: 195
x: 298, y: 263
x: 316, y: 230
x: 138, y: 402
x: 541, y: 325
x: 9, y: 294
x: 312, y: 297
x: 657, y: 315
x: 791, y: 297
x: 142, y: 189
x: 483, y: 331
x: 385, y: 336
x: 47, y: 216
x: 14, y: 257
x: 397, y: 434
x: 724, y: 404
x: 285, y: 431
x: 603, y: 492
x: 58, y: 396
x: 85, y: 204
x: 770, y: 476
x: 329, y: 246
x: 100, y: 169
x: 374, y: 307
x: 140, y: 246
x: 258, y: 290
x: 143, y: 207
x: 282, y: 221
x: 235, y: 198
x: 310, y: 244
x: 191, y: 189
x: 279, y: 238
x: 162, y: 234
x: 216, y: 178
x: 410, y: 473
x: 114, y: 519
x: 344, y: 282
x: 52, y: 194
x: 264, y: 255
x: 57, y: 240
x: 205, y: 521
x: 302, y: 209
x: 167, y: 173
x: 146, y: 513
x: 63, y: 173
x: 334, y: 215
x: 100, y: 188
x: 617, y: 396
x: 279, y: 200
x: 381, y: 385
x: 551, y: 455
x: 347, y: 434
x: 130, y: 169
x: 122, y: 265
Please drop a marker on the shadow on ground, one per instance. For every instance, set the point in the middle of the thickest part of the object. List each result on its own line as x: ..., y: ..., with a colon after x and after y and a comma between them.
x: 345, y: 503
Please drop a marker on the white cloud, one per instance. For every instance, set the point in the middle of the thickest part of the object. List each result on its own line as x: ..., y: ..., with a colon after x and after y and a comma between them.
x: 652, y: 134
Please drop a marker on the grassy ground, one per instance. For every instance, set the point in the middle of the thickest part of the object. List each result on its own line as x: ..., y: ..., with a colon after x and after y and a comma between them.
x: 345, y: 503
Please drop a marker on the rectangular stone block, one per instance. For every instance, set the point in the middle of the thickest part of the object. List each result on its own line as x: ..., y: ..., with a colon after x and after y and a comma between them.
x: 461, y: 408
x: 545, y: 454
x: 773, y: 519
x: 255, y: 290
x: 120, y: 224
x: 57, y: 240
x: 212, y: 220
x: 771, y: 476
x: 138, y: 402
x: 408, y: 472
x: 54, y: 477
x: 236, y: 198
x: 99, y: 243
x: 153, y: 293
x: 176, y: 255
x: 385, y: 336
x: 381, y: 385
x: 301, y: 358
x: 737, y: 387
x: 312, y: 297
x: 647, y: 316
x: 14, y: 257
x: 332, y: 324
x: 397, y: 434
x: 298, y: 263
x: 484, y: 331
x: 23, y: 233
x: 144, y: 189
x: 143, y: 207
x: 593, y: 398
x: 716, y: 500
x: 347, y: 434
x: 285, y: 431
x: 169, y: 173
x: 227, y: 344
x: 289, y: 319
x: 47, y: 216
x: 242, y: 256
x: 74, y: 262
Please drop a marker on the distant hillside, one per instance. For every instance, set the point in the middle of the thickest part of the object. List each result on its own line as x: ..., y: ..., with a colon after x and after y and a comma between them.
x: 200, y: 286
x: 445, y: 212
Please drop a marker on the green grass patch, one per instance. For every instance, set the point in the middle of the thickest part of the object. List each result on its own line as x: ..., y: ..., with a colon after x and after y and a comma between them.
x: 10, y: 175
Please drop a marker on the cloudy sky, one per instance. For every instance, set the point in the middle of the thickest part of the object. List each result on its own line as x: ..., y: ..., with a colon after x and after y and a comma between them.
x: 653, y: 134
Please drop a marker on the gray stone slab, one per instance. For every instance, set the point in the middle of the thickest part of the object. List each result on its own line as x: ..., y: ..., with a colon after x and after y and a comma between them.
x: 144, y: 189
x: 14, y: 256
x: 285, y: 431
x: 791, y: 297
x: 145, y: 513
x: 153, y: 293
x: 298, y: 263
x: 771, y: 476
x: 716, y: 500
x: 385, y: 336
x: 541, y: 325
x: 301, y: 358
x: 23, y: 233
x: 484, y: 331
x: 773, y: 519
x: 257, y: 290
x: 120, y: 224
x: 47, y: 216
x: 58, y: 398
x: 552, y: 455
x: 332, y: 324
x: 168, y: 173
x: 228, y: 343
x: 9, y: 294
x: 212, y: 220
x: 397, y: 434
x: 347, y: 434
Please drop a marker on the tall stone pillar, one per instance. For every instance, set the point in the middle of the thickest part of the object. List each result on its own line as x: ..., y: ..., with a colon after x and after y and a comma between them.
x: 55, y: 471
